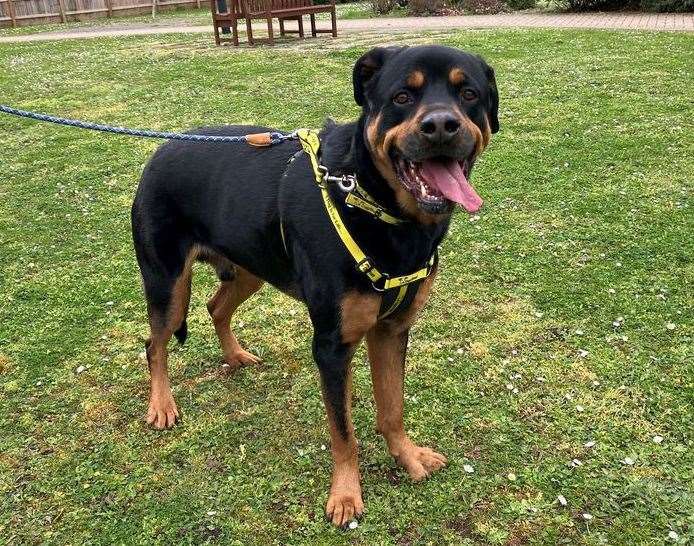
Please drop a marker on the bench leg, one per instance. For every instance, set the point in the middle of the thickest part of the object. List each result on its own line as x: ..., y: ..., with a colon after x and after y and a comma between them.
x: 270, y: 36
x: 216, y: 33
x: 249, y: 32
x: 235, y: 31
x: 313, y: 25
x: 282, y: 27
x: 333, y: 17
x: 300, y: 21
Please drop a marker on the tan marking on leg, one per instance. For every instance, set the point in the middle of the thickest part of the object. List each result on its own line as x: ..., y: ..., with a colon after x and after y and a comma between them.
x: 387, y: 350
x: 359, y: 314
x: 162, y: 411
x: 221, y: 264
x: 221, y: 307
x: 415, y: 79
x: 344, y: 501
x: 456, y: 76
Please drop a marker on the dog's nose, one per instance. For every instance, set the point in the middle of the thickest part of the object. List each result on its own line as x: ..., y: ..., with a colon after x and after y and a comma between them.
x: 439, y: 126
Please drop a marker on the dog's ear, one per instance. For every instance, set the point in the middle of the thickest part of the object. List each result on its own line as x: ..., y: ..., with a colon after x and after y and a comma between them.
x: 367, y: 67
x: 493, y: 96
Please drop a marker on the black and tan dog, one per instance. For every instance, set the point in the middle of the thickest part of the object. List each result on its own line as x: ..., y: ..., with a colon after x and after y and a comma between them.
x: 255, y: 216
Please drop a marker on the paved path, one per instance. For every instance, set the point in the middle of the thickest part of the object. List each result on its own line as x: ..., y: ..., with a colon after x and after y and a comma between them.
x: 619, y: 21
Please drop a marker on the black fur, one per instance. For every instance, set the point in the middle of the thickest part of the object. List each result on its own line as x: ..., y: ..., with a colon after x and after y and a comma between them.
x: 182, y: 332
x: 231, y: 198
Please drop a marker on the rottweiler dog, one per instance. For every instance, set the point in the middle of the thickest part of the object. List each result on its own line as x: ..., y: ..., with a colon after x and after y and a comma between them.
x: 256, y: 215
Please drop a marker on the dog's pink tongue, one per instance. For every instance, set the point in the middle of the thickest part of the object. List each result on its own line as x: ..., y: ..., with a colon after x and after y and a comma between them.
x: 448, y: 177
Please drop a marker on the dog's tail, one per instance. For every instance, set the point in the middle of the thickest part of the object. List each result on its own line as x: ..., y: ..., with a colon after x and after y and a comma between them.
x: 182, y: 332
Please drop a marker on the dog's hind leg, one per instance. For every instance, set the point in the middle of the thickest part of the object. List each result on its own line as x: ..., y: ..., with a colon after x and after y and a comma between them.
x: 167, y: 290
x: 232, y: 293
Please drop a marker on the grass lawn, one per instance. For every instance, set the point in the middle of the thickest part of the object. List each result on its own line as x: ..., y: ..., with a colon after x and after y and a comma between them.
x: 562, y: 314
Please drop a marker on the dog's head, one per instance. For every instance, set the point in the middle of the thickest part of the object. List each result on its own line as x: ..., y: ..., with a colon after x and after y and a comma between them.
x: 429, y: 112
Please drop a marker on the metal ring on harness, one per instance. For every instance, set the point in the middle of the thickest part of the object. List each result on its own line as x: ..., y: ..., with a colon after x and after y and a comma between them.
x: 385, y: 279
x: 347, y: 183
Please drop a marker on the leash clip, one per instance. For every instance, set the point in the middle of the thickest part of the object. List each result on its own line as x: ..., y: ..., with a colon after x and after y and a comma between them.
x: 347, y: 182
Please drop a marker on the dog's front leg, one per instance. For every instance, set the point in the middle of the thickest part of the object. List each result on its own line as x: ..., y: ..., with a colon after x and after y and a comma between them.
x: 334, y: 362
x: 337, y: 332
x: 387, y: 350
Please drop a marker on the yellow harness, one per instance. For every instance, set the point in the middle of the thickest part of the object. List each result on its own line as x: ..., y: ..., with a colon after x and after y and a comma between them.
x: 396, y: 288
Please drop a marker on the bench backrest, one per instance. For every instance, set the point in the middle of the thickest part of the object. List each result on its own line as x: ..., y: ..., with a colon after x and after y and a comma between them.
x: 262, y: 5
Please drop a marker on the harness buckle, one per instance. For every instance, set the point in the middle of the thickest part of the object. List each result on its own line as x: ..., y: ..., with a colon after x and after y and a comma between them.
x: 364, y: 266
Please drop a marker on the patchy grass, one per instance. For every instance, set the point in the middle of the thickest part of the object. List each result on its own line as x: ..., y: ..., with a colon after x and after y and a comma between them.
x: 562, y: 313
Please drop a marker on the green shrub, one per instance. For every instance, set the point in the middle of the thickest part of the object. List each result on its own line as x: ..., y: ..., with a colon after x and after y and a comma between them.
x: 382, y: 6
x: 425, y: 7
x: 596, y: 5
x: 667, y: 5
x: 521, y: 4
x: 483, y: 6
x: 607, y: 5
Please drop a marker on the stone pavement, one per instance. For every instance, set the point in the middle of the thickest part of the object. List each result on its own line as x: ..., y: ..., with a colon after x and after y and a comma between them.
x: 615, y: 21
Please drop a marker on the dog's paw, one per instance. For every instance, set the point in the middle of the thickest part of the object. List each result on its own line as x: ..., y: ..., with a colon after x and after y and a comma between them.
x: 162, y: 412
x: 420, y: 462
x: 235, y: 360
x: 343, y: 506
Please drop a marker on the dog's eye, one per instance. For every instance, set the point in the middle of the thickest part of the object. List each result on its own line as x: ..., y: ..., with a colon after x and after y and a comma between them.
x: 402, y: 98
x: 469, y: 94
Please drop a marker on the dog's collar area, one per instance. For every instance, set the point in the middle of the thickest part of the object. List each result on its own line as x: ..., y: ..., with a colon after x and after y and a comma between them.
x: 398, y: 291
x: 356, y: 196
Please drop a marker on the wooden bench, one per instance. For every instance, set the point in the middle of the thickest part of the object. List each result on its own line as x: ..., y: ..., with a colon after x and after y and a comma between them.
x: 282, y: 10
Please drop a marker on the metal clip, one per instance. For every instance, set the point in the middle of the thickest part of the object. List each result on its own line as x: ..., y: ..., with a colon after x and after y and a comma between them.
x: 346, y: 182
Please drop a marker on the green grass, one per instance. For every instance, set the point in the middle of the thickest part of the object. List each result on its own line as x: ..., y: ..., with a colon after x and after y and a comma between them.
x: 181, y: 17
x: 587, y: 219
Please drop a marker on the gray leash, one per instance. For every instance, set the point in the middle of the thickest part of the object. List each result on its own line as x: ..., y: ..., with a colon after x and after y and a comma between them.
x: 275, y: 137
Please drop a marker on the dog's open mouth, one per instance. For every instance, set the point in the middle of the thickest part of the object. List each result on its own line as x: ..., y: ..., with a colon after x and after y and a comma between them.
x: 435, y: 181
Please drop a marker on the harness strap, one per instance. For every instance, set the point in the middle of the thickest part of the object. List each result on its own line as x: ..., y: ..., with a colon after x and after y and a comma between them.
x: 397, y: 300
x: 358, y: 198
x: 311, y: 144
x: 371, y: 207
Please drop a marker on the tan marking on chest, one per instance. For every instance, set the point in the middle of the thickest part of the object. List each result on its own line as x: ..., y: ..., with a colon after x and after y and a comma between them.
x: 359, y: 313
